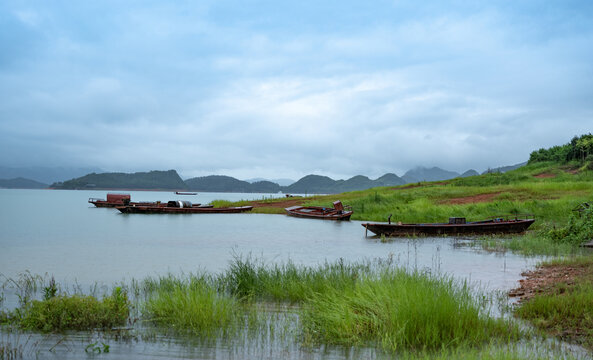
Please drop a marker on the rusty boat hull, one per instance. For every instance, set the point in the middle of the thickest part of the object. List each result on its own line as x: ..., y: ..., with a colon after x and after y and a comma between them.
x: 318, y: 212
x: 486, y: 227
x: 202, y: 209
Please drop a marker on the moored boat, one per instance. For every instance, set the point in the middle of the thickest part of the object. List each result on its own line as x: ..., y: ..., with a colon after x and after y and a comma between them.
x: 455, y: 226
x: 318, y: 212
x: 180, y: 207
x: 185, y: 193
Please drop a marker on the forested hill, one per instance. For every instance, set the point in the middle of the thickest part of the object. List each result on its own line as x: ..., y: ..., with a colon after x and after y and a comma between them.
x: 220, y: 183
x: 152, y: 180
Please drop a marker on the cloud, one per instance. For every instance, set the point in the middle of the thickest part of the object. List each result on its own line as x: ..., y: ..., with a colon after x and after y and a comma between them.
x: 256, y: 91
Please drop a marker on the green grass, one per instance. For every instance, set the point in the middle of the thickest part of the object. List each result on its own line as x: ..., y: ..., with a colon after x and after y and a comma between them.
x: 76, y: 312
x: 249, y: 278
x: 403, y: 311
x: 566, y: 309
x: 226, y: 203
x: 197, y: 308
x: 338, y: 303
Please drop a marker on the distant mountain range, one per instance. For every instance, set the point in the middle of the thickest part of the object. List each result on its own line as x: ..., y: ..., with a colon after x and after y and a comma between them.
x: 45, y: 175
x: 170, y: 180
x: 281, y: 182
x: 504, y: 169
x: 21, y: 183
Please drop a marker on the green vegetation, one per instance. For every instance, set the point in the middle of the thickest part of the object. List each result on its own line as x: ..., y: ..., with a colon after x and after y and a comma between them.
x: 400, y: 310
x: 416, y: 315
x: 60, y: 313
x: 339, y: 303
x: 578, y: 149
x: 565, y: 309
x: 248, y: 278
x: 192, y: 306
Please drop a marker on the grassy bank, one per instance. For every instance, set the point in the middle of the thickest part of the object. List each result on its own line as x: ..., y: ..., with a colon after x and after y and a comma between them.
x: 564, y: 307
x: 546, y: 190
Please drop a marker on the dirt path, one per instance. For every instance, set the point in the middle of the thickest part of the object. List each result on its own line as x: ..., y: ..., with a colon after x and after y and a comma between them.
x: 544, y: 176
x: 471, y: 199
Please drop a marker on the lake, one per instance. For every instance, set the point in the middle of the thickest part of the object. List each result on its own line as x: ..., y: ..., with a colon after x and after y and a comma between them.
x: 59, y: 233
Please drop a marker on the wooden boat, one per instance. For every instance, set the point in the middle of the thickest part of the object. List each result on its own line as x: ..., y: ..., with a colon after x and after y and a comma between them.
x: 185, y: 193
x: 180, y: 207
x: 456, y: 226
x: 317, y: 212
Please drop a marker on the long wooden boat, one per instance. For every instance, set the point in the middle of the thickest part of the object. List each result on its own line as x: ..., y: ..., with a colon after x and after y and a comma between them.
x: 185, y: 193
x: 180, y: 207
x: 317, y: 212
x: 456, y: 226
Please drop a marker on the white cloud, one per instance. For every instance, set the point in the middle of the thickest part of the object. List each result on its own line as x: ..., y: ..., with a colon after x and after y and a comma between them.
x: 167, y: 87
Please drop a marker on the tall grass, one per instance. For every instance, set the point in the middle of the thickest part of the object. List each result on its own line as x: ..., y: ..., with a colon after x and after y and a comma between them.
x: 338, y: 303
x: 195, y: 309
x: 249, y: 278
x: 402, y: 310
x: 76, y: 312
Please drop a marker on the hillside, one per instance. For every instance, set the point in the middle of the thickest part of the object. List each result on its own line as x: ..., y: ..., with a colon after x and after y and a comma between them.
x: 221, y: 183
x: 157, y: 180
x: 428, y: 174
x: 21, y: 183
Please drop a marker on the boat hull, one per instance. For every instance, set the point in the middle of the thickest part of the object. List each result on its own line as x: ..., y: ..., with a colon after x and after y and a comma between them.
x: 312, y: 212
x: 475, y: 228
x: 181, y: 210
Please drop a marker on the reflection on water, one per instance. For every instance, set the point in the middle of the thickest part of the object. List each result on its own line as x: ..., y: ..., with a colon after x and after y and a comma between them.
x: 59, y: 233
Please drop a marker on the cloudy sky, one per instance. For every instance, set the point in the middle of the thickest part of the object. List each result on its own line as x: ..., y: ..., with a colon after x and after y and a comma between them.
x: 284, y: 89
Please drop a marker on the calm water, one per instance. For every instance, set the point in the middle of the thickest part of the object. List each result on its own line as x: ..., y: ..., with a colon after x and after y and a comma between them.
x: 59, y: 233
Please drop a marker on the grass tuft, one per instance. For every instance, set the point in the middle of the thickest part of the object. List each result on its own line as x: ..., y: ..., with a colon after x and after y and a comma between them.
x: 403, y: 311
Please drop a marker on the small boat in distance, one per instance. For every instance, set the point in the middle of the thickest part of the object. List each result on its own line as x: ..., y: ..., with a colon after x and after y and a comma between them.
x: 179, y: 207
x: 317, y: 212
x: 456, y: 226
x: 185, y: 193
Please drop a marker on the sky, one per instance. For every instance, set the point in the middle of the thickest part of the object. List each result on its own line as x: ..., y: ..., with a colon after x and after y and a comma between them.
x: 278, y: 89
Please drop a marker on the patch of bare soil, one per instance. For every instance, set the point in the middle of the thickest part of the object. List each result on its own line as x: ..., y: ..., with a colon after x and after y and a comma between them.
x: 471, y: 199
x: 544, y: 175
x: 543, y: 279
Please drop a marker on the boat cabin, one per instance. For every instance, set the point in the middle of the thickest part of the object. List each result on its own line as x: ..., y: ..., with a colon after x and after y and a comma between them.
x: 118, y: 198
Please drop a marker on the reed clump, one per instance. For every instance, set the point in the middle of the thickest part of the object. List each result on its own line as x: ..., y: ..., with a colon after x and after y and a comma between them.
x: 249, y: 278
x: 76, y: 312
x: 403, y: 311
x: 197, y: 309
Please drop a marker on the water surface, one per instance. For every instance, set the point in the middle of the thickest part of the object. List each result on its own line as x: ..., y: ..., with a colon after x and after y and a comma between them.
x: 59, y: 233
